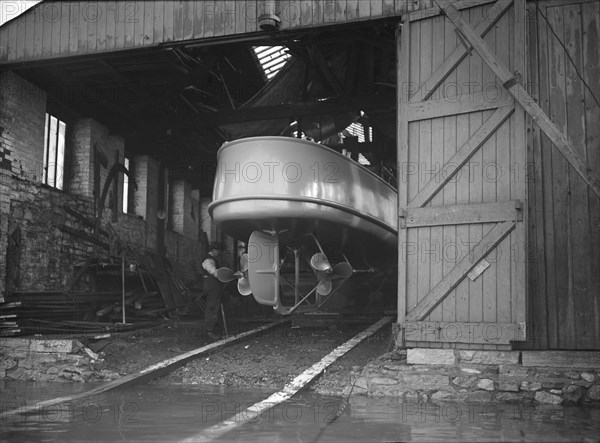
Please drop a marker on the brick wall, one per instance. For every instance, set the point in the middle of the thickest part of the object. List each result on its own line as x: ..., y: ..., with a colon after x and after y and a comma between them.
x: 48, y: 253
x: 22, y: 121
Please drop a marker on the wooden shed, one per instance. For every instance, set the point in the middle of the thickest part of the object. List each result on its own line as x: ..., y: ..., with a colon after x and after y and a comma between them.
x: 497, y: 136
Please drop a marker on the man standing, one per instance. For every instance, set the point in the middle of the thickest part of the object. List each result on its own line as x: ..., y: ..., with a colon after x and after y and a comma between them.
x: 213, y: 289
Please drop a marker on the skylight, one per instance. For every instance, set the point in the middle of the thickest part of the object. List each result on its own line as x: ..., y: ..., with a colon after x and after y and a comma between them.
x: 271, y: 58
x: 357, y: 130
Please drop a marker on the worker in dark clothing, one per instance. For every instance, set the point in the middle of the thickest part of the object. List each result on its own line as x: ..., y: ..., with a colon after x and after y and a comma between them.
x: 213, y: 289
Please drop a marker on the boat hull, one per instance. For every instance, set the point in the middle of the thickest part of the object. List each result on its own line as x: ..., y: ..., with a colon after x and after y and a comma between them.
x: 295, y: 187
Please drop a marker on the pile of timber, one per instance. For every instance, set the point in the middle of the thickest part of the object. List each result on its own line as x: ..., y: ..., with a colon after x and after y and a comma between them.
x: 65, y: 311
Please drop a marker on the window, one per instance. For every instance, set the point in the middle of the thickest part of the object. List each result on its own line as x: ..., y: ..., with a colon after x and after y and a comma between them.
x: 271, y: 58
x: 54, y: 152
x: 126, y: 186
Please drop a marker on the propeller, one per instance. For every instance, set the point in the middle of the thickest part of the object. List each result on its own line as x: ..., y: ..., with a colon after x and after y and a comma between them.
x: 225, y: 275
x: 320, y: 263
x: 326, y: 273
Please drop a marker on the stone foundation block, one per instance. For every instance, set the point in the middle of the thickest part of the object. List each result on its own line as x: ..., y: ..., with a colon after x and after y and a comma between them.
x: 486, y: 384
x: 547, y: 398
x: 562, y: 359
x: 425, y: 382
x: 489, y: 357
x: 420, y: 356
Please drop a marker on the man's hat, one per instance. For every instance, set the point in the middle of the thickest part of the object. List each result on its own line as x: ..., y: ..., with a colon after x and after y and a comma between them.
x: 214, y: 245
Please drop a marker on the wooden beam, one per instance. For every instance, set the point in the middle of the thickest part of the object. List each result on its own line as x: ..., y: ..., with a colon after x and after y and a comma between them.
x: 462, y: 104
x: 462, y: 214
x: 434, y: 11
x: 334, y: 106
x: 462, y: 156
x: 451, y: 62
x: 460, y: 271
x: 511, y: 83
x: 464, y: 332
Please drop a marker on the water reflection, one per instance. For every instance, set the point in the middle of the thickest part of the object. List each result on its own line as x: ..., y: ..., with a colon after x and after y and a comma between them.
x: 171, y: 413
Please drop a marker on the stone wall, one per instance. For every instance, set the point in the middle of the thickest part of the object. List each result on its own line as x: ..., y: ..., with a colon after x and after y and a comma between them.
x: 65, y: 360
x: 483, y: 376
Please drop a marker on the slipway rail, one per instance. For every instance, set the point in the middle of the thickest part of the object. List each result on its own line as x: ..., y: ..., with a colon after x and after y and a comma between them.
x: 145, y: 375
x: 288, y: 391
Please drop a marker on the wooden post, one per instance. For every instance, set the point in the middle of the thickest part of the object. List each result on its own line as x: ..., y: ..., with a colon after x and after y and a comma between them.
x: 402, y: 60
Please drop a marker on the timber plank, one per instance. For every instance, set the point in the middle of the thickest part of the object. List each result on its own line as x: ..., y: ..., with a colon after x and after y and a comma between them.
x: 4, y: 43
x: 450, y: 147
x: 28, y: 35
x: 91, y: 15
x: 168, y: 20
x: 470, y: 213
x: 82, y: 36
x: 12, y: 42
x: 491, y: 176
x: 229, y: 18
x: 490, y: 333
x: 462, y: 196
x: 582, y: 320
x: 178, y: 18
x: 536, y: 254
x: 560, y: 180
x: 130, y: 15
x: 476, y: 176
x: 111, y: 24
x: 306, y: 12
x: 188, y: 19
x: 138, y: 25
x: 591, y: 74
x: 518, y: 190
x: 423, y: 149
x: 149, y: 17
x: 458, y: 273
x: 403, y: 35
x: 38, y: 30
x: 50, y: 14
x: 548, y: 186
x: 449, y: 250
x: 119, y: 25
x: 491, y: 98
x: 561, y: 359
x: 158, y: 30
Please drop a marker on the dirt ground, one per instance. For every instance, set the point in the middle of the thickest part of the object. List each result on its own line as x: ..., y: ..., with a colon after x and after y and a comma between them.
x: 267, y: 360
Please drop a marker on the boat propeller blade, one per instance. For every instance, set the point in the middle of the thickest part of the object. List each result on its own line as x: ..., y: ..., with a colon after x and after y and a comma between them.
x: 342, y: 270
x: 225, y: 275
x: 243, y: 286
x: 319, y: 262
x: 324, y: 287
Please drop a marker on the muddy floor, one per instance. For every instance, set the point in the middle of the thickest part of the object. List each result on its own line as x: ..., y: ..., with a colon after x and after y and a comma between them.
x: 267, y: 360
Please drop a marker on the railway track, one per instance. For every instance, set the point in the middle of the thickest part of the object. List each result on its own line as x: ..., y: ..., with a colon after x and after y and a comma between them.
x: 293, y: 386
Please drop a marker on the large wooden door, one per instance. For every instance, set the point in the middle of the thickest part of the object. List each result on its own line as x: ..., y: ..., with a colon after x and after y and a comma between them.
x: 462, y: 183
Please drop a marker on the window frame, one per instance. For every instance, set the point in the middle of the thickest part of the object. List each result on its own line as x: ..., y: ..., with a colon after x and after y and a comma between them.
x: 55, y: 142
